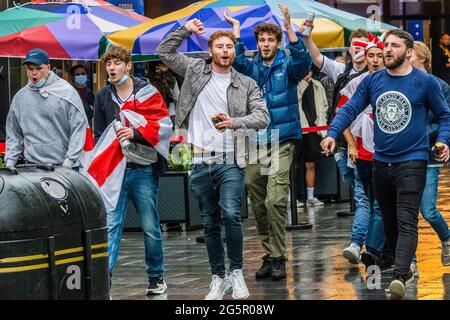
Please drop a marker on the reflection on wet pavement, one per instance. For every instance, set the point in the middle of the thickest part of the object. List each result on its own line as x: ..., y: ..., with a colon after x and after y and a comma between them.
x: 315, y: 269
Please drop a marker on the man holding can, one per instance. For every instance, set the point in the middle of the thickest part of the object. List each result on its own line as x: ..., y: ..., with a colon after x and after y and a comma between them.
x: 130, y: 112
x: 216, y: 105
x: 401, y: 97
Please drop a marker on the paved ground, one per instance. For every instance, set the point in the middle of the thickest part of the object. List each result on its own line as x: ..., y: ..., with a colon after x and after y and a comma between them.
x: 316, y: 268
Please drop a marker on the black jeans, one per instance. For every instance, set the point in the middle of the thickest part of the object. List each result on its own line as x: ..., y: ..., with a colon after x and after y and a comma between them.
x: 399, y: 188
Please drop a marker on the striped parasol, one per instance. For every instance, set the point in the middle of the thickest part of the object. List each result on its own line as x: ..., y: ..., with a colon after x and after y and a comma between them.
x: 66, y: 30
x: 331, y: 25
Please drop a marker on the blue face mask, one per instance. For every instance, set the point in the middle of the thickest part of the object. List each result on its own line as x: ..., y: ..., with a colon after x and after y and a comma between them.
x: 81, y: 80
x: 121, y: 81
x: 38, y: 84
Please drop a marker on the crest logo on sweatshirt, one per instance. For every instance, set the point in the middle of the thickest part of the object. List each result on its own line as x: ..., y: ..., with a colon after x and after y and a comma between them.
x: 393, y: 112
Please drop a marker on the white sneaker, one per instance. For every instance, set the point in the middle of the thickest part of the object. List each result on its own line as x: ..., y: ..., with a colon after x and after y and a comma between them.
x: 445, y: 255
x: 351, y: 253
x: 300, y: 204
x: 218, y: 288
x: 314, y: 202
x: 237, y: 281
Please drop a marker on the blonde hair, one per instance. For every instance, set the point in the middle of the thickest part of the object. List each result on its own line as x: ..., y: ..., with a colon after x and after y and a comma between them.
x: 423, y: 52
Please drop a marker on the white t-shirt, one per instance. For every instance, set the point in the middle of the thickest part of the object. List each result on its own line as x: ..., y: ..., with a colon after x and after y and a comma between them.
x: 212, y: 99
x: 175, y: 94
x: 333, y: 68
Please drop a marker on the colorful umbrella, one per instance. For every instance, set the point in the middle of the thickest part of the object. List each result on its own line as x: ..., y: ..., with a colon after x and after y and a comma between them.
x: 66, y: 30
x: 330, y: 24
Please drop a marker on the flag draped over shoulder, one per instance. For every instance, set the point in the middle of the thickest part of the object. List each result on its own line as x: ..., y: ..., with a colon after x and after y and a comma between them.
x: 362, y: 127
x: 105, y: 165
x: 63, y: 90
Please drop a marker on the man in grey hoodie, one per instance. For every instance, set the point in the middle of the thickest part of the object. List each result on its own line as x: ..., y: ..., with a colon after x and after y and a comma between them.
x: 45, y: 122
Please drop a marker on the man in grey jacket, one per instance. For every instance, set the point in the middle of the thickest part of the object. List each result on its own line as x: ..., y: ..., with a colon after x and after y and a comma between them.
x: 215, y: 102
x: 45, y: 122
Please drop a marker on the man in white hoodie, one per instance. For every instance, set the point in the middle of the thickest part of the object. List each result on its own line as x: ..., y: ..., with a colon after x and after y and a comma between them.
x: 46, y: 121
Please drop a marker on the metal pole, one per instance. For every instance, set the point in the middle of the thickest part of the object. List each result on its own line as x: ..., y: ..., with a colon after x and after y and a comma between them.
x: 295, y: 224
x: 387, y: 11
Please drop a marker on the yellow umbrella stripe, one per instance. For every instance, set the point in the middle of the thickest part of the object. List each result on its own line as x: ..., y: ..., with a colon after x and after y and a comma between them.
x: 127, y: 37
x: 326, y: 33
x: 234, y: 9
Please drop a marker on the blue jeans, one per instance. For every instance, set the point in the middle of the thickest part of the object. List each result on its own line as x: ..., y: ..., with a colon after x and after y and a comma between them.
x: 375, y: 237
x: 218, y: 189
x: 362, y: 204
x: 141, y: 186
x: 428, y: 205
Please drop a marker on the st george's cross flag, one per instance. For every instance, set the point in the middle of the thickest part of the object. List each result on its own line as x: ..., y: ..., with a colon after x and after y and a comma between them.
x: 105, y: 165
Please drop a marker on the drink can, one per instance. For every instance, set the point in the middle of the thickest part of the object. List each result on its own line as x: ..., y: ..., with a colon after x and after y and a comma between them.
x: 307, y: 26
x: 118, y: 125
x: 438, y: 147
x: 216, y: 119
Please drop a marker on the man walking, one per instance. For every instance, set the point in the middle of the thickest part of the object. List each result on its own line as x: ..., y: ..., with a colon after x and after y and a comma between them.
x: 401, y: 144
x: 121, y: 177
x: 216, y: 102
x: 278, y: 76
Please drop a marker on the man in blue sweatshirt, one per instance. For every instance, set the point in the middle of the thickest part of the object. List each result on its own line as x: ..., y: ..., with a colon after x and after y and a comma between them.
x: 278, y: 75
x: 401, y: 97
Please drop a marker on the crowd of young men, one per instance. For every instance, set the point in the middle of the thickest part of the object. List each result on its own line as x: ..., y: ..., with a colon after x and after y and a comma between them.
x: 386, y: 107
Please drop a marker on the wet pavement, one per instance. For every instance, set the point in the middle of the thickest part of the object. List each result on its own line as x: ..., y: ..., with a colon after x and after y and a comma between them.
x: 315, y: 269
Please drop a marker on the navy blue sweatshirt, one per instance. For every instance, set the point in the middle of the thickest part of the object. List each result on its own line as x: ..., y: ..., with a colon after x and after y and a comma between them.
x: 400, y: 108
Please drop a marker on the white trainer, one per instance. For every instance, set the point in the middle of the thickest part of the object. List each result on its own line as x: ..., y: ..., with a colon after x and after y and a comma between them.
x: 314, y: 202
x: 240, y: 290
x: 218, y: 288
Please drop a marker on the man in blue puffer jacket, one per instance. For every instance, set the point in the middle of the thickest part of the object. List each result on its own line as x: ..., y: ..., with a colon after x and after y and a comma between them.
x: 278, y: 75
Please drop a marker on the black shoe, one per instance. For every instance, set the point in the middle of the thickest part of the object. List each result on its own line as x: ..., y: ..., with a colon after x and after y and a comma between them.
x: 156, y: 286
x: 278, y: 269
x: 369, y: 259
x: 266, y: 269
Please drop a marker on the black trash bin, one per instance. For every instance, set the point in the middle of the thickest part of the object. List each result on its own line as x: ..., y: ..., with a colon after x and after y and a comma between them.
x: 53, y: 235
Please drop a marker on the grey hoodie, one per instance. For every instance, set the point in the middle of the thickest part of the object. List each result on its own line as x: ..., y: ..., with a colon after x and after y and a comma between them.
x: 46, y: 128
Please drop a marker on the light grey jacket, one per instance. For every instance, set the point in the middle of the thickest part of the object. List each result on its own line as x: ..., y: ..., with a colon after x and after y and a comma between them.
x: 245, y: 103
x: 44, y: 127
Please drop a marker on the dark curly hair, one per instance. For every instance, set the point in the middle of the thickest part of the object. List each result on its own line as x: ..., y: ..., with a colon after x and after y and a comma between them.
x: 269, y: 28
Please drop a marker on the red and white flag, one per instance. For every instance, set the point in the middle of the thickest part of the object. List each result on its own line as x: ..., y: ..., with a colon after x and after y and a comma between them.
x: 105, y: 164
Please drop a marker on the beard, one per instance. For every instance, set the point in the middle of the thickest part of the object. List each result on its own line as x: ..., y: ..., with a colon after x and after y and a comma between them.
x: 396, y: 63
x: 270, y: 56
x: 218, y: 61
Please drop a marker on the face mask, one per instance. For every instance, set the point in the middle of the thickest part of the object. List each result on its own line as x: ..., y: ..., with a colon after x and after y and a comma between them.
x: 38, y: 84
x: 121, y: 81
x: 81, y: 80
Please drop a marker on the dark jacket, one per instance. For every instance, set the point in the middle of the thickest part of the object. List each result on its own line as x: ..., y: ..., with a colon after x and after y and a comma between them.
x: 90, y: 101
x: 106, y: 111
x: 278, y: 84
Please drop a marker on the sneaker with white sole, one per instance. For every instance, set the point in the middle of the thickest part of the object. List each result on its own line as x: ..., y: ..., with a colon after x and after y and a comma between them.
x: 445, y: 254
x: 351, y: 253
x: 156, y: 286
x: 237, y: 281
x: 218, y: 288
x: 314, y: 202
x: 397, y: 287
